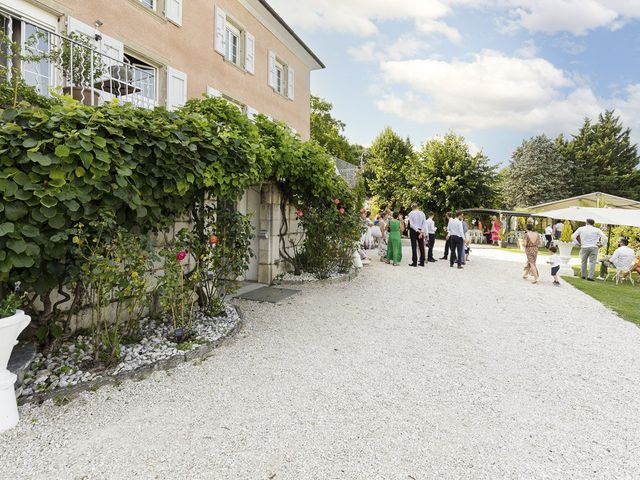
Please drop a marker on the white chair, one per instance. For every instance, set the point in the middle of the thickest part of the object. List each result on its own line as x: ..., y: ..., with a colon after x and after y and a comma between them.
x: 621, y: 275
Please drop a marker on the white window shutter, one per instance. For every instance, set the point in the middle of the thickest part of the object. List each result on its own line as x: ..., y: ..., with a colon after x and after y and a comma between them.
x: 249, y: 53
x: 176, y: 88
x: 106, y: 45
x: 290, y: 82
x: 251, y: 112
x: 272, y: 69
x: 174, y: 11
x: 212, y: 92
x: 221, y: 22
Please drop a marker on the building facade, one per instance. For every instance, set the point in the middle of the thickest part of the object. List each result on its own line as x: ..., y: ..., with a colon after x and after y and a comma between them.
x: 163, y: 52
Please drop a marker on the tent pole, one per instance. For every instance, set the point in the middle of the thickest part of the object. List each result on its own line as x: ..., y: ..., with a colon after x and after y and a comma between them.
x: 609, y: 240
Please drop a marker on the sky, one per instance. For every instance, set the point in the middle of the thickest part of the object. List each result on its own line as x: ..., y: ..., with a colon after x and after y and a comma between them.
x: 495, y: 71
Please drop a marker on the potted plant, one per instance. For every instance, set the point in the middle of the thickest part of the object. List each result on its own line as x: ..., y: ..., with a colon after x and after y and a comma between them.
x: 12, y: 322
x: 565, y: 244
x: 81, y: 66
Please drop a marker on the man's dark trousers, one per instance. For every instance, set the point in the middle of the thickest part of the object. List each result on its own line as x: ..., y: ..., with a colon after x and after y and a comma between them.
x: 447, y: 247
x: 416, y: 242
x: 432, y: 242
x: 457, y: 250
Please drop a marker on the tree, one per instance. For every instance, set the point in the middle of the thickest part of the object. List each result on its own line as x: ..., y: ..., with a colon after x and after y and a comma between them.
x: 604, y: 158
x: 537, y: 173
x: 444, y: 176
x: 327, y: 131
x: 385, y: 165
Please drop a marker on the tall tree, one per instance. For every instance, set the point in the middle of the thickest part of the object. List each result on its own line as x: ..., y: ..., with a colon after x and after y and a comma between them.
x: 604, y: 158
x: 537, y: 173
x: 445, y: 176
x: 328, y: 131
x: 385, y: 165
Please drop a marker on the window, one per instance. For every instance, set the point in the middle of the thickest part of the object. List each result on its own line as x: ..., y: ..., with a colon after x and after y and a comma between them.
x: 149, y: 3
x: 281, y: 76
x: 143, y: 77
x: 233, y: 42
x: 280, y: 81
x: 174, y: 11
x: 176, y: 88
x: 37, y: 73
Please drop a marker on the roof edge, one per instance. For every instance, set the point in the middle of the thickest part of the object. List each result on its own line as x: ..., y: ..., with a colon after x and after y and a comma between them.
x: 291, y: 32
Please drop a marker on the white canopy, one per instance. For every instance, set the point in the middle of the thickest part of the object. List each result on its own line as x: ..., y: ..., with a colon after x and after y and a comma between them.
x: 607, y: 216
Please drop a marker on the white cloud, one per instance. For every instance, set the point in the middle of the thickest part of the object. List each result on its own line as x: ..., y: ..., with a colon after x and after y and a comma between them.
x: 493, y: 91
x: 357, y: 16
x: 434, y: 26
x: 577, y: 17
x: 528, y: 50
x: 405, y: 46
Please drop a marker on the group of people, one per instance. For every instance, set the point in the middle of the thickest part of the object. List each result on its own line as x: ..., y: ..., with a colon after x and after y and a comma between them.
x: 589, y: 238
x: 387, y: 230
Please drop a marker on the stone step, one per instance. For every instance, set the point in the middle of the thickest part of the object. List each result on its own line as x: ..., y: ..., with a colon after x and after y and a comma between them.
x: 20, y: 361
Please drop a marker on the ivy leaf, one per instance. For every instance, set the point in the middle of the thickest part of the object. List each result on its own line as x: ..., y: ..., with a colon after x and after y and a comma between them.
x: 30, y: 143
x: 49, y: 202
x: 29, y: 230
x: 37, y: 157
x: 57, y: 222
x: 80, y: 172
x: 15, y: 210
x: 99, y: 141
x: 5, y: 228
x: 62, y: 151
x: 17, y: 245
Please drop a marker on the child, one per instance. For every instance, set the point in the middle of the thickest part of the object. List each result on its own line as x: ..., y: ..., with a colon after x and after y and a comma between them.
x: 554, y: 260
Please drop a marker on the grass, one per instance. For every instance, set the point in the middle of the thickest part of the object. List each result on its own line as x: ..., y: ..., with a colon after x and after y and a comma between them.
x: 622, y: 299
x: 541, y: 251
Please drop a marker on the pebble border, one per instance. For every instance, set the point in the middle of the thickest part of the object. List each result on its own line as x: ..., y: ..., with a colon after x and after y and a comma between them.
x: 201, y: 353
x: 346, y: 277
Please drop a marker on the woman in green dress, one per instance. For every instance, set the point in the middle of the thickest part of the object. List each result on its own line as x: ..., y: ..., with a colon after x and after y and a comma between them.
x: 394, y: 242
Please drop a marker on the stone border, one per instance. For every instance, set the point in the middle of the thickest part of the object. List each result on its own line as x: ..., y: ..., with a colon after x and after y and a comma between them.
x: 345, y: 277
x: 200, y: 353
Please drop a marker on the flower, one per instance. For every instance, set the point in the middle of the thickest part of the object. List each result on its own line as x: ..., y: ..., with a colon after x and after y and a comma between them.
x: 76, y: 240
x: 336, y: 201
x: 341, y: 211
x: 181, y: 255
x: 134, y: 275
x: 213, y: 240
x: 299, y: 213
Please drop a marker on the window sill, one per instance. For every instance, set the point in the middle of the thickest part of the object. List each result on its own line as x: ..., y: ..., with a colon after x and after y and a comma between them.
x: 153, y: 12
x: 234, y: 65
x: 283, y: 95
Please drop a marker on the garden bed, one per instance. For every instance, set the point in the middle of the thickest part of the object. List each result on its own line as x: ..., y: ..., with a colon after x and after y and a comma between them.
x: 72, y: 369
x: 305, y: 277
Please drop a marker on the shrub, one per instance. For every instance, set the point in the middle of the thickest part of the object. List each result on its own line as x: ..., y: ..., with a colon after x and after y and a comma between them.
x: 567, y: 231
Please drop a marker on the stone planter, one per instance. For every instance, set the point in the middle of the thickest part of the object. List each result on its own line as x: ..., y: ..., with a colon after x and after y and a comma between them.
x: 565, y: 256
x: 10, y: 328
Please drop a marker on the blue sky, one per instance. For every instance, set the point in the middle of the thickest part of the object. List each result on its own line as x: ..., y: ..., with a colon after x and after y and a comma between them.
x: 495, y: 71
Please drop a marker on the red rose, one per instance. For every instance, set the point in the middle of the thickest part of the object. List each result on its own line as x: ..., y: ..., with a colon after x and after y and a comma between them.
x: 341, y: 211
x: 213, y: 240
x: 299, y: 213
x: 336, y: 201
x: 181, y: 255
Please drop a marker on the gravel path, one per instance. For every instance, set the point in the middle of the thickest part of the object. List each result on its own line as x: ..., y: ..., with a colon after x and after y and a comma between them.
x: 401, y: 374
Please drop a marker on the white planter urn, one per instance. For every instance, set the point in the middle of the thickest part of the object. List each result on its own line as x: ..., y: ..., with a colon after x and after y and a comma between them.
x: 357, y: 261
x: 565, y: 257
x: 10, y: 328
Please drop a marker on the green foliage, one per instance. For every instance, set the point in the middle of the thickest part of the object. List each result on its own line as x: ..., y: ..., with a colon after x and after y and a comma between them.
x: 327, y: 131
x: 330, y: 239
x: 630, y: 233
x: 386, y: 169
x: 604, y: 158
x: 10, y: 302
x: 112, y: 265
x: 567, y: 231
x: 446, y: 177
x: 77, y: 59
x: 537, y: 173
x: 176, y: 290
x: 219, y: 246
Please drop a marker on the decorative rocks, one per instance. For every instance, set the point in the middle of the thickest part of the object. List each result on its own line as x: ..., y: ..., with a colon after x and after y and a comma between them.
x: 68, y: 367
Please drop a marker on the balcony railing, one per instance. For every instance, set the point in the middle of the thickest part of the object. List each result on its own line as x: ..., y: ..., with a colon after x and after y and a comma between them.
x: 76, y: 66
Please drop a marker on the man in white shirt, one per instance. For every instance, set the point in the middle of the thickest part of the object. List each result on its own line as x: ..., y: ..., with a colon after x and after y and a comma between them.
x: 622, y: 259
x: 557, y: 228
x: 548, y: 234
x: 456, y: 238
x: 431, y: 232
x: 417, y: 232
x: 588, y: 237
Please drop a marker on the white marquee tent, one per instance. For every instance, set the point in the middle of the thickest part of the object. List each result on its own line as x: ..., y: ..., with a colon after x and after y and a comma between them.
x: 607, y: 216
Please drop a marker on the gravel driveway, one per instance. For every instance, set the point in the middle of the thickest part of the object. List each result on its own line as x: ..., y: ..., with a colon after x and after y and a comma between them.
x: 401, y: 374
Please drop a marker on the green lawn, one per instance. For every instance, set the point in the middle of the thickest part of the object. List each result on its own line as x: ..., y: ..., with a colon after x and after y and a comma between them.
x: 624, y: 299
